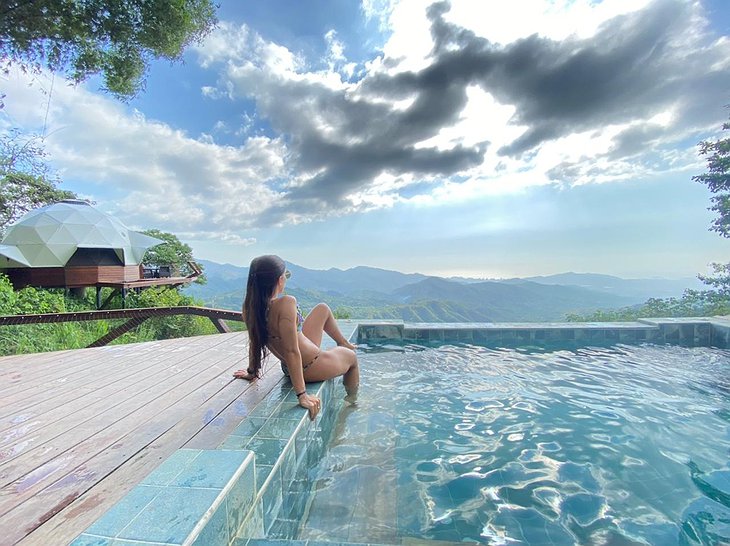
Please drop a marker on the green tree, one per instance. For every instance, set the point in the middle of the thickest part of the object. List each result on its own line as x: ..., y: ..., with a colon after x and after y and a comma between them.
x: 717, y: 180
x: 172, y: 252
x: 117, y: 38
x: 26, y: 181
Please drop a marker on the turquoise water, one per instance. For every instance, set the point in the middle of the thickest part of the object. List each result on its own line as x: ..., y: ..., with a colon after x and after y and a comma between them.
x: 617, y: 446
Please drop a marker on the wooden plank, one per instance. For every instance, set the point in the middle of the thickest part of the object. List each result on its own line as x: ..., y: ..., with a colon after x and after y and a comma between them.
x: 61, y: 386
x: 155, y: 366
x: 227, y: 420
x: 39, y: 364
x: 66, y: 509
x: 94, y: 406
x: 33, y: 469
x: 49, y: 360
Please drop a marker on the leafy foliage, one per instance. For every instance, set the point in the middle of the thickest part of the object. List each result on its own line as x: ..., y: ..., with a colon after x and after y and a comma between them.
x: 26, y: 182
x: 74, y: 335
x: 717, y: 180
x: 172, y: 252
x: 115, y: 37
x: 694, y: 303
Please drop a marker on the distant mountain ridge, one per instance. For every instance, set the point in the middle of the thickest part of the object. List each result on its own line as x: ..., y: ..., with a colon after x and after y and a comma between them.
x: 370, y: 293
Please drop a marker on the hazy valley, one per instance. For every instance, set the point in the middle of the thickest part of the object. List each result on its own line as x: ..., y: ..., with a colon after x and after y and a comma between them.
x: 366, y: 292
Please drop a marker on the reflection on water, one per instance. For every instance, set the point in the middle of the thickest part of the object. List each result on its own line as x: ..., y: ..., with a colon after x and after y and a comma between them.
x: 614, y: 445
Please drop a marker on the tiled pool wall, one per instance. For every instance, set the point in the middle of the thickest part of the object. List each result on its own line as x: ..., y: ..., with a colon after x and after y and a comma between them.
x: 288, y: 447
x: 702, y: 332
x: 254, y: 485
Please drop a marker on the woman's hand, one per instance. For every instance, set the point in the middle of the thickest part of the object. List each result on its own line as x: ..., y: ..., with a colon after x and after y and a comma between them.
x: 312, y: 403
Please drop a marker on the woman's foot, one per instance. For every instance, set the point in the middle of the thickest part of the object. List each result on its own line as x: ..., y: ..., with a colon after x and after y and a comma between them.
x: 348, y: 345
x: 248, y: 375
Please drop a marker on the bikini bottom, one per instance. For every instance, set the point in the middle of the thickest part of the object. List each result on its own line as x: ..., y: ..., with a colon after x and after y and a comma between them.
x: 307, y: 365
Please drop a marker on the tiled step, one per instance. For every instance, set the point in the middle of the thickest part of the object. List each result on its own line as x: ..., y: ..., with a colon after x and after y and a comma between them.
x: 243, y: 488
x: 287, y: 445
x: 195, y: 497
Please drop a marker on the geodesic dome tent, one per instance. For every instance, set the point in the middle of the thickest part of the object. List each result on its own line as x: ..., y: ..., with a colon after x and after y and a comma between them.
x: 71, y: 234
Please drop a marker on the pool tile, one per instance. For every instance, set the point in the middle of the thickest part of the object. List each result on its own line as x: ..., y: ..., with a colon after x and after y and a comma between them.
x: 283, y: 528
x: 289, y: 409
x: 91, y: 540
x: 240, y: 497
x: 596, y: 335
x: 235, y: 442
x: 264, y: 410
x: 275, y: 542
x: 267, y: 449
x: 216, y: 530
x: 271, y: 499
x: 687, y: 333
x: 567, y: 334
x: 249, y: 426
x: 293, y: 504
x: 451, y: 335
x: 278, y: 428
x: 671, y: 332
x: 627, y: 336
x: 301, y: 443
x: 436, y: 334
x: 171, y: 467
x: 253, y: 526
x: 262, y: 473
x: 703, y: 335
x: 288, y: 465
x: 123, y: 512
x: 171, y: 516
x: 211, y: 469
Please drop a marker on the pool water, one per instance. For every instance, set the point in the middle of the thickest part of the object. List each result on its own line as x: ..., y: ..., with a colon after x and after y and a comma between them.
x: 620, y: 445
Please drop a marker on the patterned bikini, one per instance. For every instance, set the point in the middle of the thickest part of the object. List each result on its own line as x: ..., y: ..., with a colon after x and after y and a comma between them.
x: 300, y: 322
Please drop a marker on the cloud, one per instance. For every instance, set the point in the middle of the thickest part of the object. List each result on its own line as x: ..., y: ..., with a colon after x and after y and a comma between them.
x: 148, y: 173
x: 344, y: 136
x: 465, y: 99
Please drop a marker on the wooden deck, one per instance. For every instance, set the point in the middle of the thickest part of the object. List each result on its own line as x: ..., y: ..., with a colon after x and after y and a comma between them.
x: 78, y: 429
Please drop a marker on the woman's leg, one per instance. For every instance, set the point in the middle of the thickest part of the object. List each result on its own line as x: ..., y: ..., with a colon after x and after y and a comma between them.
x: 319, y: 320
x: 333, y: 363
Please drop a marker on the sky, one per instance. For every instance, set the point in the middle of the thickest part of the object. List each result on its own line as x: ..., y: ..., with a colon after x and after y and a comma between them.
x: 482, y: 139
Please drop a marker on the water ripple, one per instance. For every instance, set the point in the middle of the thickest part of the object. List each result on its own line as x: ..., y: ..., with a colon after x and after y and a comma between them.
x: 600, y: 445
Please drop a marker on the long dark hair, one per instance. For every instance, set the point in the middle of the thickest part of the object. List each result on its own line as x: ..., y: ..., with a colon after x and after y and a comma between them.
x: 263, y: 275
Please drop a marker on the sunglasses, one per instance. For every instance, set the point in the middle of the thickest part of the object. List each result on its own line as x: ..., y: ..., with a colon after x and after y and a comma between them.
x: 287, y: 274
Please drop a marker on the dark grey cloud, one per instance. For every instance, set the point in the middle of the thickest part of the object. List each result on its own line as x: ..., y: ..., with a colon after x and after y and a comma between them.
x: 636, y: 65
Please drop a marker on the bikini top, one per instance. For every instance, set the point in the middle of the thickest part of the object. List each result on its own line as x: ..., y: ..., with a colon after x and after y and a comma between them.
x: 300, y: 319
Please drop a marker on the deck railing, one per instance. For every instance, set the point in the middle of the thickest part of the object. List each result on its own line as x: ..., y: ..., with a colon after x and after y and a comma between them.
x: 136, y: 317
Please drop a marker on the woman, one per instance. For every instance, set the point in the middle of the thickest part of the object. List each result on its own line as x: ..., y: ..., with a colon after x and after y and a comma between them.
x: 275, y: 325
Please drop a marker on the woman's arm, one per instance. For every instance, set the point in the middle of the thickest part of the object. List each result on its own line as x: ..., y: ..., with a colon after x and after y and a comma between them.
x: 290, y: 354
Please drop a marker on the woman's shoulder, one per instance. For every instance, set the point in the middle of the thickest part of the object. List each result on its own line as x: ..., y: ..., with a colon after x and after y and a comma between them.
x: 284, y: 302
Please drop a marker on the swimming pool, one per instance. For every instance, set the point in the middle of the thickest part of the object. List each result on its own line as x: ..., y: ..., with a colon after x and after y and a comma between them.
x: 616, y: 445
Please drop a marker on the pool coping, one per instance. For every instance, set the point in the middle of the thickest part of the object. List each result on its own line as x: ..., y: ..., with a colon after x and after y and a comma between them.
x: 695, y: 331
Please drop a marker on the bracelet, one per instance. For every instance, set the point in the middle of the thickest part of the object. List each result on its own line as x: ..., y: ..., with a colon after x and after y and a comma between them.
x: 301, y: 393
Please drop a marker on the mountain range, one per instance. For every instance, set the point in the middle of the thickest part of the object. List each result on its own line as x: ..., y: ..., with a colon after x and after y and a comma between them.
x: 372, y: 293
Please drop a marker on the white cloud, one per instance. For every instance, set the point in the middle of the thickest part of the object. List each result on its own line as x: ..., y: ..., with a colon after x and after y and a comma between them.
x: 150, y: 174
x: 341, y: 147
